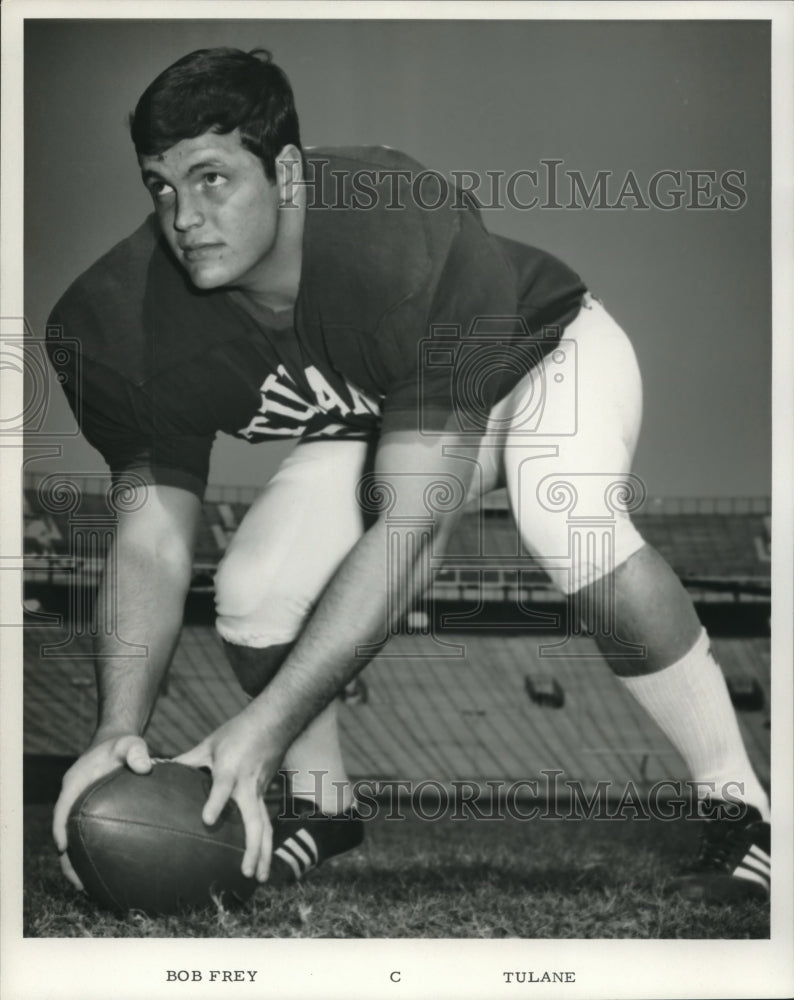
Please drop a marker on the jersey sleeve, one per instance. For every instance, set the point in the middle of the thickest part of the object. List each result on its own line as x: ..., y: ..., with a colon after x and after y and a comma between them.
x: 461, y: 348
x: 108, y: 412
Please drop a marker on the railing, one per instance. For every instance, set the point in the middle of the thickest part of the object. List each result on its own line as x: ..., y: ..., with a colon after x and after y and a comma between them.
x: 759, y: 505
x: 708, y: 505
x: 496, y: 501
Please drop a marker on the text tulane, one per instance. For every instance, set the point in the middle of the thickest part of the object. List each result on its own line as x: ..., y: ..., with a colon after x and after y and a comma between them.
x: 539, y: 977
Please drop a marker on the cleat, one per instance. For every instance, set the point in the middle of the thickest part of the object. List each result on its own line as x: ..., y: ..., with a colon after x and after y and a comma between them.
x: 305, y: 837
x: 733, y: 864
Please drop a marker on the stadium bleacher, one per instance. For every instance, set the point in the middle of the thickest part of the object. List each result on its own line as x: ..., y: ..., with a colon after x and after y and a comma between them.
x: 428, y: 714
x: 485, y: 555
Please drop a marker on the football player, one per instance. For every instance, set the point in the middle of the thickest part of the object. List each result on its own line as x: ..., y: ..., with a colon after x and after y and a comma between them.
x: 354, y: 300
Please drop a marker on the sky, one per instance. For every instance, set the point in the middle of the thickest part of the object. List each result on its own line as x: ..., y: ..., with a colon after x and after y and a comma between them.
x: 691, y: 285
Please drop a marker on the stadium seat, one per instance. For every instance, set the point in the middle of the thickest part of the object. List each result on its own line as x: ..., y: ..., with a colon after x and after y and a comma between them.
x: 355, y: 692
x: 544, y: 691
x: 746, y: 693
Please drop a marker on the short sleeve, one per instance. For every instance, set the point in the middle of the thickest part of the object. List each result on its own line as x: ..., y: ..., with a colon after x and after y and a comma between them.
x: 107, y: 410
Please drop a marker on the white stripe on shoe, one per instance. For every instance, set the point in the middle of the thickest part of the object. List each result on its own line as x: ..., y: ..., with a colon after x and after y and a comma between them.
x: 309, y: 841
x: 751, y: 876
x: 299, y: 853
x: 288, y: 859
x: 760, y: 856
x: 750, y: 862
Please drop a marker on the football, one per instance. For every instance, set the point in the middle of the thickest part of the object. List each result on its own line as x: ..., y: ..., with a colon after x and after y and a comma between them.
x: 138, y: 842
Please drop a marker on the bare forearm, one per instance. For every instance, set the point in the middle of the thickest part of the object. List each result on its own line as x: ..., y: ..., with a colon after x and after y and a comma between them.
x: 370, y: 590
x: 143, y: 602
x: 420, y: 487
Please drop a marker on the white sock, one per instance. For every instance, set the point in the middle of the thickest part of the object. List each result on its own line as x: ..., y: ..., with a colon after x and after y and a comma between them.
x: 689, y: 701
x: 331, y: 796
x: 316, y: 766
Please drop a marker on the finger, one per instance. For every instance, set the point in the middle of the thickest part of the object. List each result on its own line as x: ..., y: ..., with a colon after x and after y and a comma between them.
x: 59, y: 826
x: 199, y: 756
x: 266, y: 848
x: 217, y: 798
x: 60, y: 816
x: 252, y: 810
x: 137, y: 757
x: 69, y: 872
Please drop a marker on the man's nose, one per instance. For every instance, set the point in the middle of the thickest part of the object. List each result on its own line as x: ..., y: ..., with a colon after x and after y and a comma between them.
x: 188, y: 214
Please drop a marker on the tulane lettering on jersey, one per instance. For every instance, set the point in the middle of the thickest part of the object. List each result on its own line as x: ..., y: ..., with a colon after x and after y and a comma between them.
x: 285, y: 412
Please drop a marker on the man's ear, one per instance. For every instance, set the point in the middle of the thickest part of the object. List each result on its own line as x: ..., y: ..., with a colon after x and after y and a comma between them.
x: 289, y: 174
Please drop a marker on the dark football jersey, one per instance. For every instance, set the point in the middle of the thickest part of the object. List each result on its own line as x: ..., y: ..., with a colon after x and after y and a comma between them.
x: 406, y: 316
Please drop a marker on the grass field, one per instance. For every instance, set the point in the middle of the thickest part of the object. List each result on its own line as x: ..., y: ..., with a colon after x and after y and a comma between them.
x: 486, y: 879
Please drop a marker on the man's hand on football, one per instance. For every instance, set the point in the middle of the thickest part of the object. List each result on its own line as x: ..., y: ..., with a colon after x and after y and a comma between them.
x: 243, y: 763
x: 102, y: 757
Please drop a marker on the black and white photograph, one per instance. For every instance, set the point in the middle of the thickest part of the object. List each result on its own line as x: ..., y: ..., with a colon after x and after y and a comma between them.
x: 396, y: 453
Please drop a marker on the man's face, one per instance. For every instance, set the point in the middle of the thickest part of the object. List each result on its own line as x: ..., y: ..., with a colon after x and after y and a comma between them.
x: 216, y: 207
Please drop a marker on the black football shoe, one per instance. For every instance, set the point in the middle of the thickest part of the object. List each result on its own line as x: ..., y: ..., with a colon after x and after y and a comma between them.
x: 304, y: 837
x: 733, y: 864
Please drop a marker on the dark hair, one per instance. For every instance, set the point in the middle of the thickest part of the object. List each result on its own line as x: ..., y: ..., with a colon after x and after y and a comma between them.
x: 219, y: 90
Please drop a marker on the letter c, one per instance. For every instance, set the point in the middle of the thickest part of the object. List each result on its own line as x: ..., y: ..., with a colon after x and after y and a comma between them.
x: 395, y: 977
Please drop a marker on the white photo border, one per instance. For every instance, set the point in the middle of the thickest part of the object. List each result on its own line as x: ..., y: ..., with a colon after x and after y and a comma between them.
x: 76, y: 969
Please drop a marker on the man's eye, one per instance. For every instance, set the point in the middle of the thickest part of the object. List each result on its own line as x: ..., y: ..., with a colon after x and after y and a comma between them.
x: 214, y: 180
x: 160, y: 190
